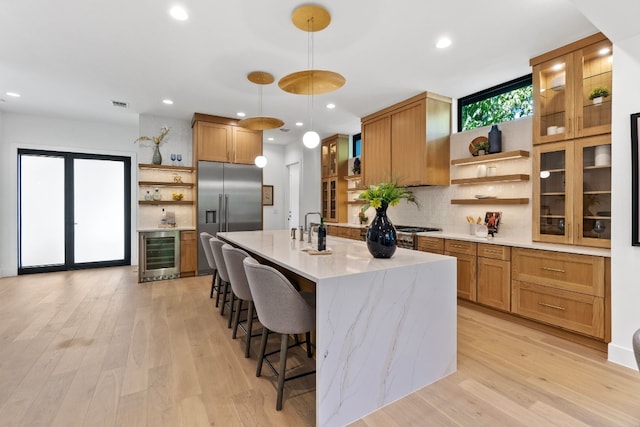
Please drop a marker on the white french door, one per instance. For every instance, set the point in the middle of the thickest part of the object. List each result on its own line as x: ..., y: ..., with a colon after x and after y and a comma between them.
x: 74, y: 211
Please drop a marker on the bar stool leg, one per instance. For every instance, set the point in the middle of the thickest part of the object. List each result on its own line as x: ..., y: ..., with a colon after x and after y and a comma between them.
x: 284, y: 346
x: 224, y: 297
x: 263, y: 347
x: 236, y: 319
x: 309, y: 351
x: 249, y: 328
x: 231, y: 309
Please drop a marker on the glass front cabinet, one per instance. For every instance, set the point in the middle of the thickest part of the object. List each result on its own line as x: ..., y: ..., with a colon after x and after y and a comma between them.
x: 572, y: 91
x: 572, y: 192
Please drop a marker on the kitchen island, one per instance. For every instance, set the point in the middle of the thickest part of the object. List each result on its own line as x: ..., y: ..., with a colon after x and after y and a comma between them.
x: 384, y: 327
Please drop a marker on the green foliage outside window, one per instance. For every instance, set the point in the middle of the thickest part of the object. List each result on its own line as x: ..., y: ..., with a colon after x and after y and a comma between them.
x: 500, y: 108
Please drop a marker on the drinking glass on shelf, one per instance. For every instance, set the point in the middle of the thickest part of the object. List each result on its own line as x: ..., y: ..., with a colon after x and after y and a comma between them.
x: 179, y: 159
x: 173, y: 159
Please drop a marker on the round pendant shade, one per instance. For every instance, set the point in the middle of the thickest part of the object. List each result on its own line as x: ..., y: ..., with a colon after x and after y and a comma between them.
x: 261, y: 123
x: 311, y: 82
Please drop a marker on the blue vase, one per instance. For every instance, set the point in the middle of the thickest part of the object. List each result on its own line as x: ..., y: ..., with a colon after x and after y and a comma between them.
x: 381, y: 235
x: 495, y: 140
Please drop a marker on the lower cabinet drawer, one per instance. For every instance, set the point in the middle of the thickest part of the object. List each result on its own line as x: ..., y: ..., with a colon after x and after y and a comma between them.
x: 460, y: 247
x: 569, y: 310
x: 431, y: 244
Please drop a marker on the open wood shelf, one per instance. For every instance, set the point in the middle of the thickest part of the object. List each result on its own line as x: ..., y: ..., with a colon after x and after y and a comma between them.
x: 165, y: 184
x: 497, y: 178
x: 353, y: 177
x: 356, y: 202
x: 165, y: 202
x: 507, y: 155
x: 496, y: 201
x: 167, y: 167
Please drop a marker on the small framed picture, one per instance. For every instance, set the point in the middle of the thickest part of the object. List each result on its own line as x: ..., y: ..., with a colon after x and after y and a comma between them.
x: 267, y: 195
x: 492, y: 221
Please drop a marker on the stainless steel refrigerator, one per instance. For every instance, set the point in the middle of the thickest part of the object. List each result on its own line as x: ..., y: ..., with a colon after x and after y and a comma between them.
x: 229, y: 199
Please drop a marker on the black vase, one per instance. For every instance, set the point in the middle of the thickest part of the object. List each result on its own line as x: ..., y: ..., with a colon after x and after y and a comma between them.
x: 381, y: 235
x: 495, y: 140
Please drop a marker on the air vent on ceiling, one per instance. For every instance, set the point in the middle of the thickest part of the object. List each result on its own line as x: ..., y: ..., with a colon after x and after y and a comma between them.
x: 119, y: 104
x: 284, y: 129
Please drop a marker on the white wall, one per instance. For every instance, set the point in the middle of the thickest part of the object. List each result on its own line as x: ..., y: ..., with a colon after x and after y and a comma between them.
x: 310, y: 173
x: 436, y: 208
x: 275, y: 173
x: 39, y: 132
x: 625, y: 288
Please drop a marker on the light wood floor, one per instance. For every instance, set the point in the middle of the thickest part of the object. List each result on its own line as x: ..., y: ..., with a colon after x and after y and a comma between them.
x: 95, y: 348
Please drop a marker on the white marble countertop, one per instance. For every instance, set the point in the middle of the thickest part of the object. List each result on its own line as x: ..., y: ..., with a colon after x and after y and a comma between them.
x: 348, y: 256
x: 497, y: 240
x: 507, y: 241
x: 150, y: 229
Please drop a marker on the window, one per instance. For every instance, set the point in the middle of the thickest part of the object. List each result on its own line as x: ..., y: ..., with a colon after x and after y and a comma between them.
x: 501, y: 103
x: 355, y: 146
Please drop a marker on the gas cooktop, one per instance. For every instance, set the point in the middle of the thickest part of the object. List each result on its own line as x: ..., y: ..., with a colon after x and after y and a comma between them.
x: 412, y: 229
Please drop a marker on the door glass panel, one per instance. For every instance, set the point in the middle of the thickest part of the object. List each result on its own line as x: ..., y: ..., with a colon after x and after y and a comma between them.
x: 552, y: 193
x: 552, y: 106
x: 596, y: 85
x: 596, y: 192
x: 99, y: 215
x: 41, y: 211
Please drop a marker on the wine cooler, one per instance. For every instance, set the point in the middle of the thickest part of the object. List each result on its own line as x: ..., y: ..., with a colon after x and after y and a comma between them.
x: 159, y: 255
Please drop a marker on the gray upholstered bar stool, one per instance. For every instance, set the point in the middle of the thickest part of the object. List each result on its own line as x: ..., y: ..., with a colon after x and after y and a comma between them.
x: 281, y: 309
x: 216, y: 249
x: 636, y: 347
x: 233, y: 258
x: 204, y: 239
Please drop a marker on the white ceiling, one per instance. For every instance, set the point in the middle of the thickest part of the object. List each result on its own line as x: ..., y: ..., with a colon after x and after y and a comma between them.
x: 71, y: 58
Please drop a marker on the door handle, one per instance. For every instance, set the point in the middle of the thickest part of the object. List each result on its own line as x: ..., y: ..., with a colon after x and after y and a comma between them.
x: 226, y: 212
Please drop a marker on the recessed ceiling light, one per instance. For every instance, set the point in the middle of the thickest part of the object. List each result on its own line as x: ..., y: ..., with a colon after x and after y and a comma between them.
x: 167, y: 101
x: 240, y: 114
x: 299, y: 124
x: 270, y: 139
x: 178, y: 13
x: 443, y: 42
x: 13, y: 94
x: 331, y: 106
x: 604, y: 51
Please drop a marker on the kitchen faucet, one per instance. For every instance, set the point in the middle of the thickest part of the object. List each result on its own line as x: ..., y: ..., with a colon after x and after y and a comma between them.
x: 305, y: 222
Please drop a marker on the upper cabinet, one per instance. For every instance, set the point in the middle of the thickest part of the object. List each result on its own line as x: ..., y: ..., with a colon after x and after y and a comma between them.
x: 408, y: 142
x: 334, y: 165
x: 219, y: 139
x: 572, y: 91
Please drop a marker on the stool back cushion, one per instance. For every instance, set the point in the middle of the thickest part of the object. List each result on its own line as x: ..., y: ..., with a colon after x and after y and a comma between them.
x: 204, y: 239
x: 233, y: 258
x: 216, y: 249
x: 279, y: 305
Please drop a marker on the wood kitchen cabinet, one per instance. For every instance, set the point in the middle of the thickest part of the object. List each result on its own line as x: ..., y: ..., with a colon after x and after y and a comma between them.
x: 572, y: 192
x: 434, y: 245
x: 334, y: 165
x: 561, y: 289
x: 563, y: 79
x: 408, y: 142
x: 188, y: 253
x: 220, y: 139
x: 465, y: 252
x: 494, y: 276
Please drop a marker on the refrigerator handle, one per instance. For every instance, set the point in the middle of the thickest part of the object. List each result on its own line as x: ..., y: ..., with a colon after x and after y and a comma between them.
x: 221, y: 207
x: 226, y: 212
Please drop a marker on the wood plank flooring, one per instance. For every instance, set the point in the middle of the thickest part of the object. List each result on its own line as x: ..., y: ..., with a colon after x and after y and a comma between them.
x: 94, y: 347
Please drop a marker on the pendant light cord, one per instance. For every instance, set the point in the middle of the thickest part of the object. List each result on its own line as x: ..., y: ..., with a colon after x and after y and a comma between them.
x: 310, y: 66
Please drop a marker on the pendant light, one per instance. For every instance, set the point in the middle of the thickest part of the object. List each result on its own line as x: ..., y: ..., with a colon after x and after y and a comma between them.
x: 260, y: 78
x: 311, y: 18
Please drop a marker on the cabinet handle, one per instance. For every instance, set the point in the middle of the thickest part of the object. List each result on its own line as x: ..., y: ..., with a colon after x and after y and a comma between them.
x: 556, y: 270
x: 557, y: 307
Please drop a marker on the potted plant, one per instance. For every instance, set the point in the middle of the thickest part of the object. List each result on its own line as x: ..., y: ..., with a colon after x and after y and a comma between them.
x: 482, y: 148
x: 598, y: 93
x: 381, y: 235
